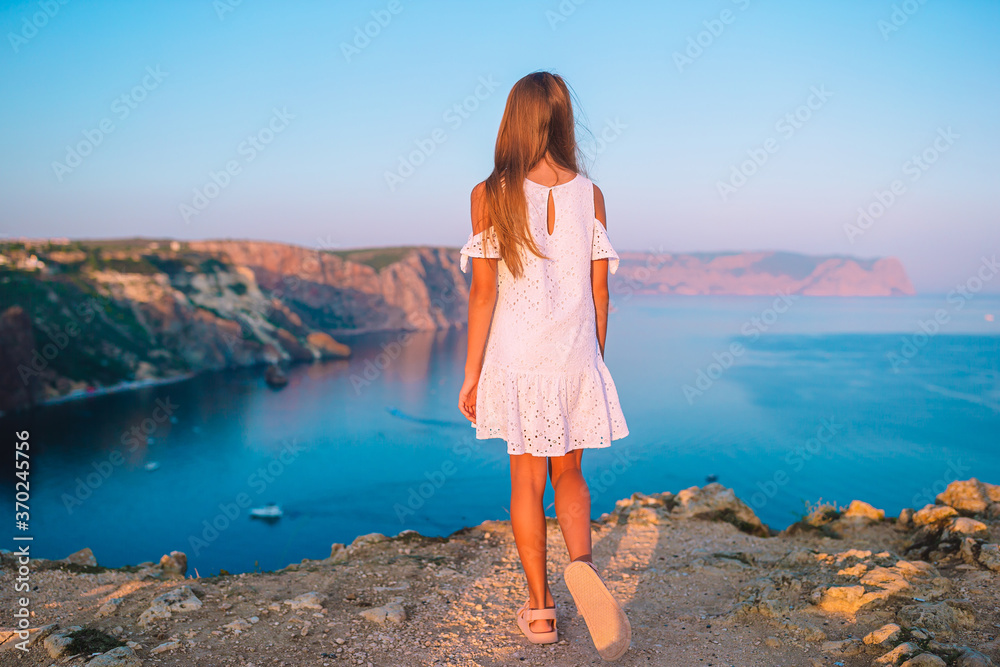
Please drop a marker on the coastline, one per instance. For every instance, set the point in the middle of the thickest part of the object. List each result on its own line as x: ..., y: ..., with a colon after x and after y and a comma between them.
x: 135, y: 385
x: 132, y: 385
x: 83, y: 394
x: 702, y: 579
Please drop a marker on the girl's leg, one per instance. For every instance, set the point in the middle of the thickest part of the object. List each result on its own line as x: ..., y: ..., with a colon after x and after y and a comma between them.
x: 572, y: 503
x: 606, y: 620
x: 527, y: 518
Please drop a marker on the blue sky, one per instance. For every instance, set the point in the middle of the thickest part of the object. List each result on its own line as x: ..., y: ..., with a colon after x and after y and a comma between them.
x: 310, y: 129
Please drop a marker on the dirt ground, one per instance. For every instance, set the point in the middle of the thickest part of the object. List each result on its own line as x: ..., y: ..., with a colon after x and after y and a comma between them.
x: 697, y: 591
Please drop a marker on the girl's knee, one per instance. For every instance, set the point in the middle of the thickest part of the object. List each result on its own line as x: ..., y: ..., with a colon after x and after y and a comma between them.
x: 527, y: 474
x: 563, y: 465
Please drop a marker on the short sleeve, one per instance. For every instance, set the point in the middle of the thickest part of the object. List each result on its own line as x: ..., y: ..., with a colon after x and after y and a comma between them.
x: 602, y: 247
x: 475, y: 247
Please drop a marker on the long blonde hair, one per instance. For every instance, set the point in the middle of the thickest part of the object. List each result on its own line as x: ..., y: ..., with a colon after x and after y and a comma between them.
x: 538, y: 119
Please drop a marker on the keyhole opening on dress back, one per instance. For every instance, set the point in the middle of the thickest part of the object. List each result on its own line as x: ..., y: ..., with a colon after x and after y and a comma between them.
x: 551, y: 214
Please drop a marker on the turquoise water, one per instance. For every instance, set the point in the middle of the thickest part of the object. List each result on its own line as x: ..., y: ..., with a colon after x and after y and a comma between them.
x: 829, y: 399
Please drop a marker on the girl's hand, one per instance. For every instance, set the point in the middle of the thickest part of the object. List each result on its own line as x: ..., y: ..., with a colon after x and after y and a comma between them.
x: 467, y: 398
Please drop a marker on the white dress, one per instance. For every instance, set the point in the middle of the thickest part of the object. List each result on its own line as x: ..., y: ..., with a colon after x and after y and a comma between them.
x: 544, y: 387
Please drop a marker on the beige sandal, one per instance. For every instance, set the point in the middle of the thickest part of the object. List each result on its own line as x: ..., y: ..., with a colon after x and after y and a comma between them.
x: 605, y: 618
x: 526, y: 615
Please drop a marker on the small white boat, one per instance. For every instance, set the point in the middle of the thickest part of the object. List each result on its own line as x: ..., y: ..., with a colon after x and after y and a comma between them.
x: 152, y: 465
x: 270, y: 511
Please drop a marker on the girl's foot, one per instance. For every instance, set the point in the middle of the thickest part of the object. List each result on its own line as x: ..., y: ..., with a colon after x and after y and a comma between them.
x: 605, y: 618
x: 527, y: 618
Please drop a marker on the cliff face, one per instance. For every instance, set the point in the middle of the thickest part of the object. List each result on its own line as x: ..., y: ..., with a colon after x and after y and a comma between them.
x: 98, y: 315
x: 17, y: 344
x: 368, y: 290
x: 759, y: 273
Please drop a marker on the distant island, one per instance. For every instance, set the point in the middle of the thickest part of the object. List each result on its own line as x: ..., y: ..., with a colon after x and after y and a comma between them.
x: 761, y: 273
x: 79, y: 316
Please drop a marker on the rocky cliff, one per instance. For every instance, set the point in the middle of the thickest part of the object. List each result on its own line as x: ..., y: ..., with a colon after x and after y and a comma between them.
x: 362, y: 290
x: 759, y: 273
x: 702, y: 580
x: 84, y: 317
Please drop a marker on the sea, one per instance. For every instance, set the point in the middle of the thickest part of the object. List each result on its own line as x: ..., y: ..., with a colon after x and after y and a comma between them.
x: 792, y: 401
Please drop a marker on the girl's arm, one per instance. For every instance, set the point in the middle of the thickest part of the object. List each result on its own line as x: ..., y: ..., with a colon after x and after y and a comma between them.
x: 482, y: 298
x: 599, y: 276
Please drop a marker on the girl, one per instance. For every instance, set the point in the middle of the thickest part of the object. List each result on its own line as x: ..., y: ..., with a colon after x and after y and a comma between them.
x: 535, y: 373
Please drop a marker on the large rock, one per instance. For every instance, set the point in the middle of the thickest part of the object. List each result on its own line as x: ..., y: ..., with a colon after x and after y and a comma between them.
x: 109, y: 607
x: 718, y: 503
x: 860, y: 510
x: 943, y: 619
x: 842, y: 599
x: 989, y: 557
x: 972, y: 658
x: 327, y: 346
x: 366, y: 539
x: 57, y: 643
x: 310, y: 600
x: 885, y: 637
x: 174, y: 564
x: 82, y: 557
x: 9, y: 639
x: 843, y: 648
x: 392, y: 613
x: 963, y: 526
x: 897, y: 655
x: 925, y: 660
x: 933, y: 515
x: 123, y: 656
x: 969, y: 496
x: 179, y: 600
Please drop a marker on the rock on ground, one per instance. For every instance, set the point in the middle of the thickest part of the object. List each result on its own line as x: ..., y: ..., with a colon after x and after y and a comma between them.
x: 311, y: 600
x: 989, y: 556
x: 82, y: 557
x: 925, y: 660
x: 393, y: 613
x: 898, y: 655
x: 174, y: 564
x: 932, y: 514
x: 969, y: 496
x: 944, y: 619
x: 714, y: 501
x: 58, y: 642
x: 123, y: 656
x: 166, y: 646
x: 179, y: 600
x: 885, y: 637
x: 858, y: 509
